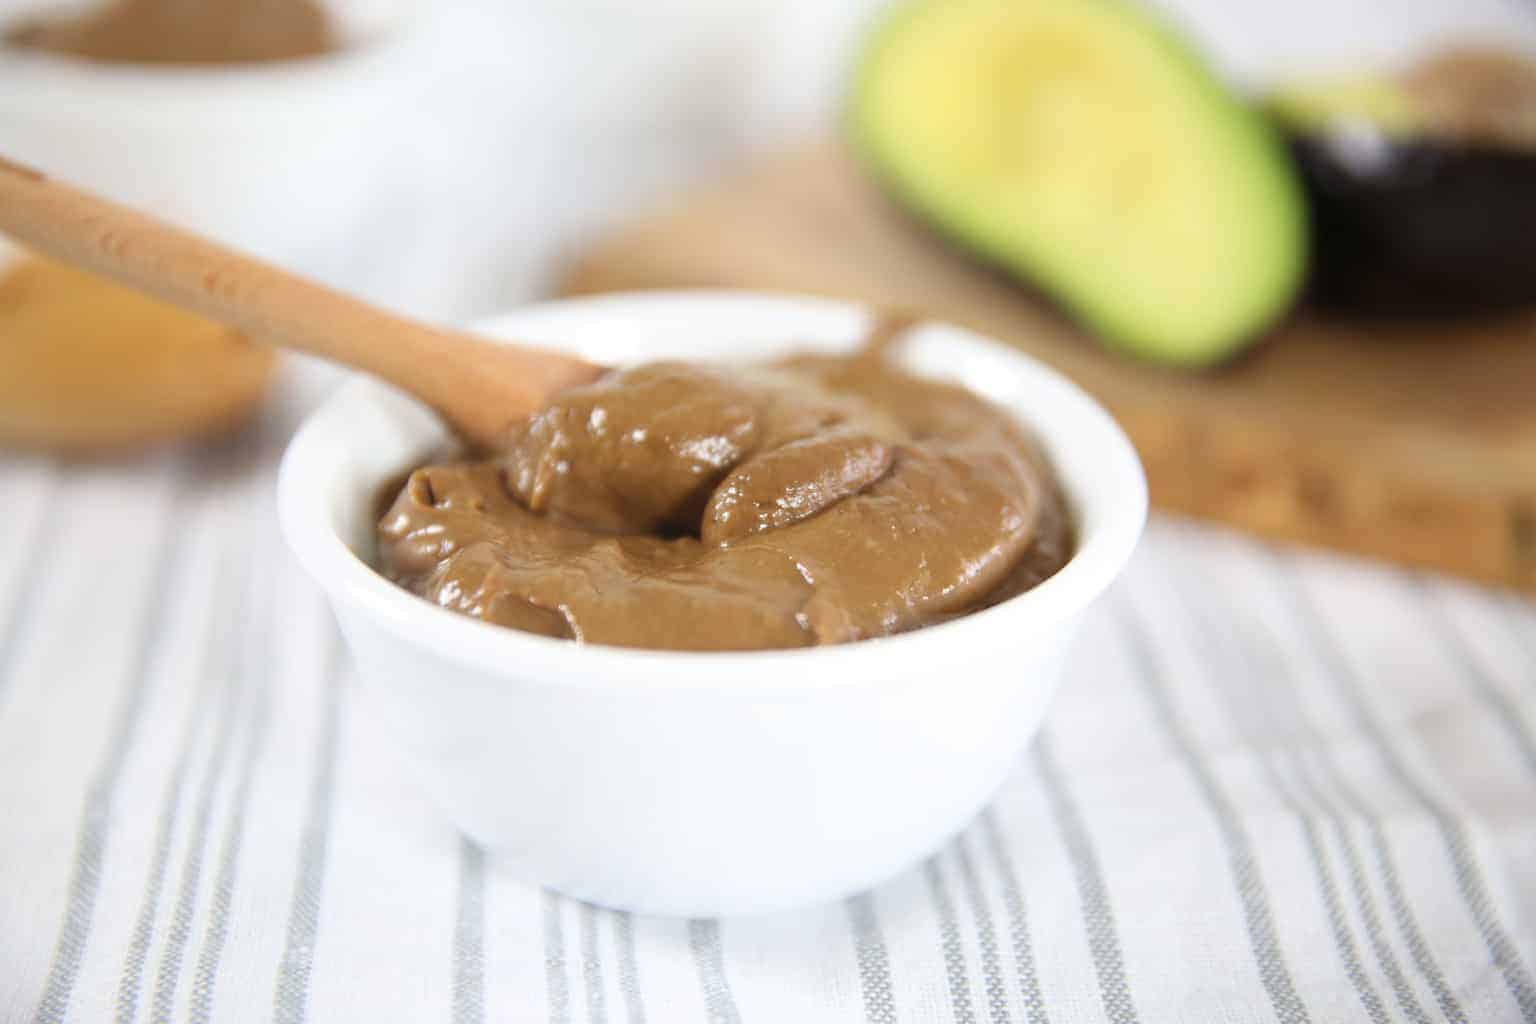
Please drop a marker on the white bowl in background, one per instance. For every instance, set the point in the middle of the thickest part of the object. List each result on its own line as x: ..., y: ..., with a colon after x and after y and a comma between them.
x: 277, y: 158
x: 707, y: 783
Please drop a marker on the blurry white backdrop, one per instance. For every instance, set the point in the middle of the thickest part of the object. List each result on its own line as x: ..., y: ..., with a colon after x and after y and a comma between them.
x: 542, y: 122
x: 507, y: 134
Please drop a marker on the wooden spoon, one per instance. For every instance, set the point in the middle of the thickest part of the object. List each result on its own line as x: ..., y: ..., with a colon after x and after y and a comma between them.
x: 479, y: 387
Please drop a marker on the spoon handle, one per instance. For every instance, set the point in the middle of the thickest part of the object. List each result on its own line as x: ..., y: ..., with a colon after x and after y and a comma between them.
x: 479, y: 387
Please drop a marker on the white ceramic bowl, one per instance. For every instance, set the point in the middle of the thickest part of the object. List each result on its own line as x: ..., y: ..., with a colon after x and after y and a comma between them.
x: 278, y: 158
x: 705, y: 783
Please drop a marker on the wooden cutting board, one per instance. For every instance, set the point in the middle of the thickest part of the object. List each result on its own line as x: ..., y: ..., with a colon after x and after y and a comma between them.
x: 1411, y: 443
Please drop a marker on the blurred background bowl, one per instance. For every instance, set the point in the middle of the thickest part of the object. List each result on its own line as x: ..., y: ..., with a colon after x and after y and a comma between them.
x: 274, y: 157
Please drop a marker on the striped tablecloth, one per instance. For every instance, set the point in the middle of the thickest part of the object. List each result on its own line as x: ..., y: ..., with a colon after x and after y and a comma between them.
x: 1276, y: 787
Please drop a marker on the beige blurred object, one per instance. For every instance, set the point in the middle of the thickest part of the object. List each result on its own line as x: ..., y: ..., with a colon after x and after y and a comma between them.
x: 178, y: 32
x: 88, y: 367
x: 1414, y: 442
x: 1477, y: 93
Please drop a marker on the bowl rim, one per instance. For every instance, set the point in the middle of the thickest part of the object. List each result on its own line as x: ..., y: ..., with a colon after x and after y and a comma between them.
x: 1101, y: 553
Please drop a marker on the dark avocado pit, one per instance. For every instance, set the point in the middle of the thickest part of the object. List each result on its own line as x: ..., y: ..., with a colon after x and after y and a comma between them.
x: 1422, y: 186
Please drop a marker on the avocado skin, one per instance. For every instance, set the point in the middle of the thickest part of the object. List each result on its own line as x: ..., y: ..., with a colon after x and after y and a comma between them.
x: 1422, y: 228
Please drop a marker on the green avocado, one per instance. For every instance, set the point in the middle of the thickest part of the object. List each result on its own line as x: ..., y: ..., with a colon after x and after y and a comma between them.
x: 1084, y: 147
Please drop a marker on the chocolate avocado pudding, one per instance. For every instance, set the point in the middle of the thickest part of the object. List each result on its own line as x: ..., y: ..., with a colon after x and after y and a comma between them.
x: 679, y: 506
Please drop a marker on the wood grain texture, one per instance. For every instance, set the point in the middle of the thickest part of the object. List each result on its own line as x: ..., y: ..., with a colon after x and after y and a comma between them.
x: 1414, y: 443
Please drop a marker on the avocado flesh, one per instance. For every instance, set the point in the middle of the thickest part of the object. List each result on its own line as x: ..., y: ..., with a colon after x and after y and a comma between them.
x: 1081, y: 146
x: 1372, y: 100
x: 1411, y: 216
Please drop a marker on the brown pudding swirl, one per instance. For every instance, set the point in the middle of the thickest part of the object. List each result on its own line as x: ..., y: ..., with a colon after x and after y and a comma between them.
x: 689, y: 507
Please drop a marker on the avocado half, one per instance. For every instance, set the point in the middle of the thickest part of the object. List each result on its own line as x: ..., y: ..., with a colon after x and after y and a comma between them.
x: 1422, y: 185
x: 1082, y: 146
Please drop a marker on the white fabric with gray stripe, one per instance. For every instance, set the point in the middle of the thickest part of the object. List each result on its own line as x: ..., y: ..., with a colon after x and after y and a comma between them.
x: 1276, y: 787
